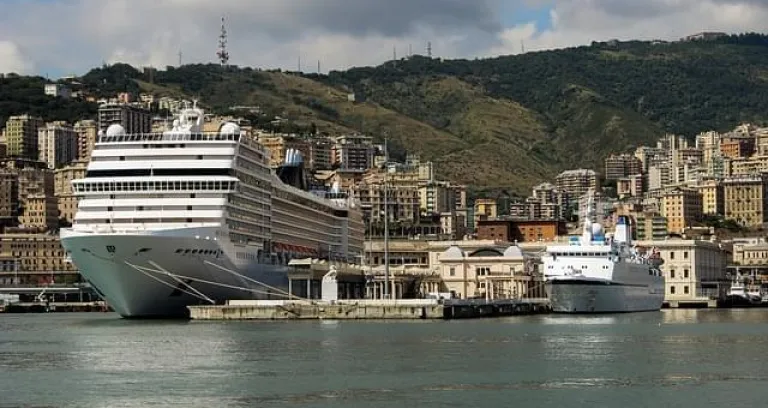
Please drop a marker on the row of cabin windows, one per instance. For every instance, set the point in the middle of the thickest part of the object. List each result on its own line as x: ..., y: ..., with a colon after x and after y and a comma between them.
x: 154, y: 185
x: 206, y: 252
x: 589, y: 254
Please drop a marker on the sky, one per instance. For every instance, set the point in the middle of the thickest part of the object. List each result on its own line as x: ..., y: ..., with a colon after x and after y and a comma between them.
x: 68, y: 37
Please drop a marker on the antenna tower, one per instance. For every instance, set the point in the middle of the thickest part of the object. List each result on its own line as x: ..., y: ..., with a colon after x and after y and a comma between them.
x: 429, y: 49
x: 222, y: 52
x: 179, y: 57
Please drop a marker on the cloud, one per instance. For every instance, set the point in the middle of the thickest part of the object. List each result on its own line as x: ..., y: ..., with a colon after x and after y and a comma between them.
x: 12, y: 59
x: 579, y: 22
x: 71, y: 36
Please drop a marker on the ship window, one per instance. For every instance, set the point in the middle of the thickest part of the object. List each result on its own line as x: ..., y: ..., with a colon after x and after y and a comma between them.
x: 189, y: 208
x: 199, y: 157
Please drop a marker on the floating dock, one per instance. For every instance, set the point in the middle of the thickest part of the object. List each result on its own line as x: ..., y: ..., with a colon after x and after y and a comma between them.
x: 366, y: 309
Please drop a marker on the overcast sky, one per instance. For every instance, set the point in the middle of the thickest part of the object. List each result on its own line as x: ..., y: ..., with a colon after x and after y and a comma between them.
x: 61, y: 37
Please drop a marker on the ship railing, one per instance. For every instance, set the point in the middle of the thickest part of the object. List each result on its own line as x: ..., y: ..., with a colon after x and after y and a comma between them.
x: 170, y: 137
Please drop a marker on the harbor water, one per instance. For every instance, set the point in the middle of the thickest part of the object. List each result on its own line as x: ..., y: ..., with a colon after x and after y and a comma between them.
x: 680, y: 358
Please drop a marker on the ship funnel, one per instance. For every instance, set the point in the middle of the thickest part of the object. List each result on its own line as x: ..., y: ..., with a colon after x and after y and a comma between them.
x: 623, y: 233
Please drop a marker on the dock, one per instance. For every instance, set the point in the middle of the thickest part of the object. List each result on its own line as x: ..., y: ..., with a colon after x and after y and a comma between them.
x: 362, y: 309
x: 51, y: 307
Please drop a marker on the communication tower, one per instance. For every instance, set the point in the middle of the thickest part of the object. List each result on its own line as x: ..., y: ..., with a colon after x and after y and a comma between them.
x: 222, y: 52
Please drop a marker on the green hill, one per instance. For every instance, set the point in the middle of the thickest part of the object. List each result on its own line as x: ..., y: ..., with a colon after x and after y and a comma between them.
x: 506, y: 122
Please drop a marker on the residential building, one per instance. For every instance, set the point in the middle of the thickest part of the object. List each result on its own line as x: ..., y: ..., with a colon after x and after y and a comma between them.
x: 737, y: 147
x: 87, y: 133
x: 650, y: 227
x: 659, y: 176
x: 577, y: 182
x: 36, y: 196
x: 134, y: 119
x: 645, y: 154
x: 57, y: 144
x: 402, y: 204
x: 681, y: 207
x: 712, y: 198
x: 618, y: 166
x: 9, y: 197
x: 485, y: 209
x: 438, y: 197
x: 745, y: 199
x: 631, y: 186
x: 353, y: 152
x: 321, y: 154
x: 58, y: 90
x: 34, y: 260
x: 21, y: 134
x: 66, y: 200
x: 509, y: 230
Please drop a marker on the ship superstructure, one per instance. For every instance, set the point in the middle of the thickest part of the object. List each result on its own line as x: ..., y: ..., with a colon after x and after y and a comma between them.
x: 599, y: 274
x: 182, y: 217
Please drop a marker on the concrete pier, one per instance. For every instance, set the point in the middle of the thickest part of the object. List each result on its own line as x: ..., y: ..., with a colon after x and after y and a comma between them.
x: 365, y: 309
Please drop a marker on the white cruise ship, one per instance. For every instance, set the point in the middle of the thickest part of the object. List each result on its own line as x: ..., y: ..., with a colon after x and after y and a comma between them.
x: 184, y: 217
x: 597, y: 275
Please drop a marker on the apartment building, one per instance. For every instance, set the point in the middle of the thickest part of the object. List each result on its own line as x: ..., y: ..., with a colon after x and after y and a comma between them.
x: 66, y: 201
x: 34, y: 259
x: 737, y: 147
x: 650, y: 227
x: 745, y: 199
x: 133, y: 118
x: 681, y: 207
x: 9, y: 197
x: 57, y: 144
x: 485, y: 209
x: 576, y: 182
x: 353, y: 152
x: 631, y: 186
x: 21, y: 133
x: 87, y: 133
x: 622, y: 165
x: 321, y: 154
x: 712, y: 197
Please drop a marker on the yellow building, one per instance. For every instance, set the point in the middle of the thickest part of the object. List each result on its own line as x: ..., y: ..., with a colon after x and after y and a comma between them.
x: 65, y: 198
x: 485, y: 208
x: 466, y: 269
x: 87, y: 131
x: 712, y: 198
x: 745, y: 199
x: 21, y: 136
x: 681, y: 207
x: 34, y: 259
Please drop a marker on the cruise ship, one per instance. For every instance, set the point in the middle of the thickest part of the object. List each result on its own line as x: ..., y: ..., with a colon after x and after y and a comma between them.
x: 599, y: 274
x: 183, y: 217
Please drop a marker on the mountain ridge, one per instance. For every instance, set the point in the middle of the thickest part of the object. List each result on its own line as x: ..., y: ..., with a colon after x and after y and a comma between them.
x: 498, y: 123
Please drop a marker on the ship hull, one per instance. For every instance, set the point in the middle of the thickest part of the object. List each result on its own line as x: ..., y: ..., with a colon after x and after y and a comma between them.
x: 145, y: 275
x: 574, y: 295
